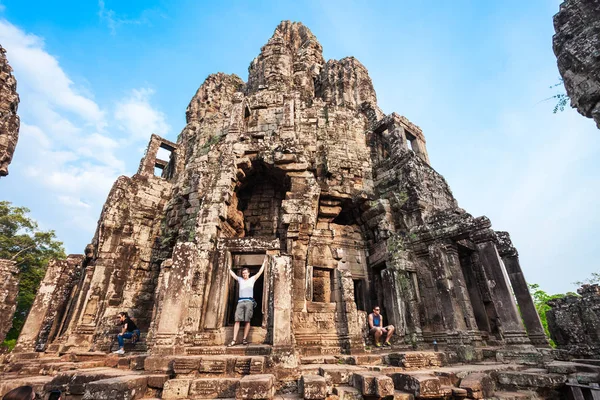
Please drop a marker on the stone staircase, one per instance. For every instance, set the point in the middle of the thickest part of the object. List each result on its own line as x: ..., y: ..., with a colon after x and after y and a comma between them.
x: 245, y: 372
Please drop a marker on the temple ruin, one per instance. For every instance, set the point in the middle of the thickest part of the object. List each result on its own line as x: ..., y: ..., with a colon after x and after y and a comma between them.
x: 298, y: 165
x: 9, y: 120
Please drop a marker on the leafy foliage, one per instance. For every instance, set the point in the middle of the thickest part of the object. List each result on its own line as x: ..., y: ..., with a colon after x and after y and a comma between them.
x: 595, y: 278
x: 562, y: 99
x: 540, y: 299
x: 31, y: 248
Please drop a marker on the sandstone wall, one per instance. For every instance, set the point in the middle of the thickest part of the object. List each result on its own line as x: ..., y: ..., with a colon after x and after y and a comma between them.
x: 9, y: 120
x: 577, y: 47
x: 9, y: 288
x: 45, y: 316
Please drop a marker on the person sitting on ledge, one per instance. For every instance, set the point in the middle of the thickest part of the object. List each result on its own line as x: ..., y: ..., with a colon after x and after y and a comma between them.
x: 245, y: 306
x: 377, y: 329
x: 128, y: 330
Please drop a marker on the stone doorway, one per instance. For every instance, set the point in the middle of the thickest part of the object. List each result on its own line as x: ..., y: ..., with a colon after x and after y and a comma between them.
x: 379, y: 291
x: 253, y: 263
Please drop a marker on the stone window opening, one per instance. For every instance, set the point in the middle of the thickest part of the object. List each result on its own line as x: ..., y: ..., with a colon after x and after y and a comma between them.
x: 250, y: 261
x: 163, y: 161
x: 378, y: 290
x: 345, y: 217
x: 159, y: 170
x: 380, y: 147
x: 322, y: 285
x: 409, y: 141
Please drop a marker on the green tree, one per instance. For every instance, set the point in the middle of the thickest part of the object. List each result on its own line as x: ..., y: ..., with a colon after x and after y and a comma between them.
x: 540, y: 299
x: 31, y: 249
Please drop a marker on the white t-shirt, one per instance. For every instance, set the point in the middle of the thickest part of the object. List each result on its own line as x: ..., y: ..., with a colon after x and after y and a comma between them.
x: 246, y: 286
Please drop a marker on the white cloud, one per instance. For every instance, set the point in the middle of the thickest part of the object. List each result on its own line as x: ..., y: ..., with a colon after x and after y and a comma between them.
x: 41, y: 76
x: 137, y: 117
x: 69, y: 153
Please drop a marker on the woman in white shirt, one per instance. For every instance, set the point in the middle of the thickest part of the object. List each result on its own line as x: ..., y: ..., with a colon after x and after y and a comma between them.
x: 245, y: 305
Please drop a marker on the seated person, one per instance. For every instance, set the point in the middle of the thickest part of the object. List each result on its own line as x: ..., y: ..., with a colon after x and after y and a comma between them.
x: 129, y: 330
x: 377, y: 329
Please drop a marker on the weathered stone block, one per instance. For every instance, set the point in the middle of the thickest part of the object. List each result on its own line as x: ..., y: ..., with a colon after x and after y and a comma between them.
x: 256, y: 387
x: 478, y: 385
x: 349, y: 393
x: 176, y: 389
x: 312, y: 387
x: 121, y: 388
x: 338, y: 374
x: 373, y: 384
x: 524, y: 379
x: 157, y: 381
x: 212, y: 388
x: 158, y: 364
x: 421, y: 385
x: 399, y: 395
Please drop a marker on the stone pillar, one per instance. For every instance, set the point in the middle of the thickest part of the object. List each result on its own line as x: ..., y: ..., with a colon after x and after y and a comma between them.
x: 510, y: 257
x: 510, y: 323
x: 461, y: 293
x: 176, y: 294
x: 148, y: 162
x: 9, y: 288
x: 281, y: 270
x: 50, y: 304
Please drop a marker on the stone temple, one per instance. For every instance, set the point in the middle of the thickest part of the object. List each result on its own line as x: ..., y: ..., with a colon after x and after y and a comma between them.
x: 298, y: 165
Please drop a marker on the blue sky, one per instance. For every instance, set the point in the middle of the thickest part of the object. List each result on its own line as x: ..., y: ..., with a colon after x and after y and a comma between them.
x: 97, y: 78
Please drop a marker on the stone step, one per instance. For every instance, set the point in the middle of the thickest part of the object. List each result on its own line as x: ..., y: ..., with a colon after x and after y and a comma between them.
x: 586, y: 378
x: 129, y: 387
x: 419, y: 384
x: 347, y: 393
x: 312, y: 387
x: 255, y: 387
x: 373, y: 384
x: 307, y: 360
x: 512, y: 380
x: 564, y: 367
x: 589, y: 361
x: 38, y: 383
x: 338, y: 374
x: 88, y: 356
x: 478, y: 385
x: 209, y: 365
x: 24, y: 356
x: 74, y: 382
x: 200, y: 388
x: 514, y: 396
x: 417, y: 359
x: 239, y: 349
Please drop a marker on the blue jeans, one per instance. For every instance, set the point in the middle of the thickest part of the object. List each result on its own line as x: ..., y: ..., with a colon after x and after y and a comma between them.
x: 126, y: 335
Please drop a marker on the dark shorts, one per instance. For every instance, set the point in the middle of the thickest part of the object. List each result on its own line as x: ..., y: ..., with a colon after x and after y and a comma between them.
x: 244, y: 311
x: 385, y: 329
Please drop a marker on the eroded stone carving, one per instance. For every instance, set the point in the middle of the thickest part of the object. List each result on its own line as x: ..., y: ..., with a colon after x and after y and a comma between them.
x: 574, y: 322
x: 577, y: 47
x: 9, y: 288
x: 9, y: 120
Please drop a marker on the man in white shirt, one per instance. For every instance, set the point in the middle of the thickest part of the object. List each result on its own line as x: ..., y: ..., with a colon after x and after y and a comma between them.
x: 245, y: 305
